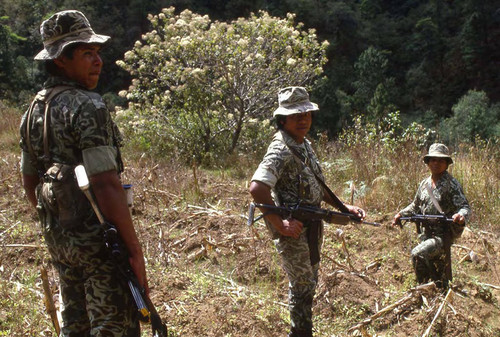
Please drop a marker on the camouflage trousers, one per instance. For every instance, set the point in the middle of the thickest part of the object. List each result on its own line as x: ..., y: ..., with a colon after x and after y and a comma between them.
x: 302, y: 278
x: 95, y: 299
x: 428, y: 258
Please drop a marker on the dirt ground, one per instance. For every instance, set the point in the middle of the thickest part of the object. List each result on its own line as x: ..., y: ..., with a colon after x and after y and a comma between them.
x: 212, y: 275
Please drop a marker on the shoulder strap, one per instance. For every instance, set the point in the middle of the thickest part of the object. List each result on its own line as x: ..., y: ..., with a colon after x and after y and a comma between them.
x: 28, y: 138
x: 44, y: 96
x: 433, y: 198
x: 340, y: 205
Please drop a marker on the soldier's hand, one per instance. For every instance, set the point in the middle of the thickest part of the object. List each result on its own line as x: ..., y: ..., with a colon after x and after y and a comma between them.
x: 138, y: 267
x: 292, y: 228
x: 458, y: 218
x: 396, y: 221
x: 357, y: 211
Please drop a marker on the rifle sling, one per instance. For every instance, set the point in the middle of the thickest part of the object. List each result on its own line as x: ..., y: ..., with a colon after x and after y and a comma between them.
x: 339, y: 204
x: 433, y: 198
x: 45, y: 98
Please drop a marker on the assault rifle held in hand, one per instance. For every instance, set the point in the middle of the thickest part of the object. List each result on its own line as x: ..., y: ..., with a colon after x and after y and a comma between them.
x: 421, y: 220
x: 304, y: 213
x: 425, y: 220
x: 146, y: 309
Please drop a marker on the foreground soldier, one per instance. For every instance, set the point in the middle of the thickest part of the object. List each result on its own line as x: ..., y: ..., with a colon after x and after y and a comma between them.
x: 76, y: 128
x: 429, y: 257
x: 282, y: 178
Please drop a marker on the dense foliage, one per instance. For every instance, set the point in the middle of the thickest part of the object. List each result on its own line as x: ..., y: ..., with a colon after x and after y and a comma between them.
x: 417, y: 57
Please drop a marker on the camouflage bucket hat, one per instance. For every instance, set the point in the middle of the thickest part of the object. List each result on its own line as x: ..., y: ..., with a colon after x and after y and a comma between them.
x: 438, y: 150
x: 64, y: 28
x: 293, y: 100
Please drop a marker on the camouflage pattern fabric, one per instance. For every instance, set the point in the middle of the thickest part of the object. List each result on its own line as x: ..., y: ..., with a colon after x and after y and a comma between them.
x: 302, y: 278
x: 428, y: 256
x: 96, y: 301
x: 80, y: 122
x: 64, y: 28
x: 291, y: 182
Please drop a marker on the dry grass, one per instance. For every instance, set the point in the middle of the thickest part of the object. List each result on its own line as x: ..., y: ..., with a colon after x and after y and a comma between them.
x: 212, y: 276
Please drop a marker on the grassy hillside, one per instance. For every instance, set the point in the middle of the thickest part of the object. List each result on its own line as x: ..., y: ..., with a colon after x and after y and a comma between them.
x: 211, y: 275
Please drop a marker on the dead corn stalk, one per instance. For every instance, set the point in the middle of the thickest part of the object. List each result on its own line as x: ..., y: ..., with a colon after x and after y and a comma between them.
x: 413, y: 293
x: 447, y: 298
x: 49, y: 301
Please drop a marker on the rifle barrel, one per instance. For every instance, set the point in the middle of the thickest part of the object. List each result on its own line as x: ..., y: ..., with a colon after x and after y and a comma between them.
x: 303, y: 212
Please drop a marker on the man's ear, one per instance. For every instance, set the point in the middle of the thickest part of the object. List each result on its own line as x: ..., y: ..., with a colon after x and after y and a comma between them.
x: 60, y: 61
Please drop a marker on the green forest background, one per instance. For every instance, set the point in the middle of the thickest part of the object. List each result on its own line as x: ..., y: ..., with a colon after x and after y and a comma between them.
x: 399, y: 75
x: 433, y: 61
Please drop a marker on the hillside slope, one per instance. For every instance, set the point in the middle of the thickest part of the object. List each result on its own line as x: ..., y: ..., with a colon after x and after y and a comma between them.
x: 212, y: 275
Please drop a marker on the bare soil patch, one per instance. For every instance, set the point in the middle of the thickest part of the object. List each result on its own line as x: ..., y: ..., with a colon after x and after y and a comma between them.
x: 212, y: 275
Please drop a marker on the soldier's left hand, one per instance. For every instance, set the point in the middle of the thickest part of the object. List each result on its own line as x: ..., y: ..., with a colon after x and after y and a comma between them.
x: 357, y: 211
x: 458, y: 218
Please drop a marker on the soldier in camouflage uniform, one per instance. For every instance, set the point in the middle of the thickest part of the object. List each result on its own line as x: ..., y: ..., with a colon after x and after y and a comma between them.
x: 95, y: 300
x: 428, y: 256
x: 283, y: 179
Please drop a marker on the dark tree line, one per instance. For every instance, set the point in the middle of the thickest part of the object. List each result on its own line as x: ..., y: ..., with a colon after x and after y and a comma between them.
x: 416, y: 56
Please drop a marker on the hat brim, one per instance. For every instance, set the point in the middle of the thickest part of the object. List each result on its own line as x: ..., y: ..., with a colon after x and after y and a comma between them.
x: 437, y: 155
x: 296, y: 109
x: 53, y: 51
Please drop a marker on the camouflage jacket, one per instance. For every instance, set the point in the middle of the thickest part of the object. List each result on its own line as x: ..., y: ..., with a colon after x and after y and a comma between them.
x: 290, y: 180
x: 448, y: 193
x: 80, y: 131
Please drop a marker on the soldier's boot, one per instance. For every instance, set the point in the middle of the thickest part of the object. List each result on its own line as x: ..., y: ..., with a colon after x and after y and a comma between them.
x: 294, y: 332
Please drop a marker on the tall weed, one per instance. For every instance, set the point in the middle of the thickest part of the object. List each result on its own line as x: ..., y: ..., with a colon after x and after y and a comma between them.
x: 9, y: 126
x: 380, y: 166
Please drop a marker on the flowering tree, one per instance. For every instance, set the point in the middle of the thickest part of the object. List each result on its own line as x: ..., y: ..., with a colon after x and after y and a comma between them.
x: 198, y: 85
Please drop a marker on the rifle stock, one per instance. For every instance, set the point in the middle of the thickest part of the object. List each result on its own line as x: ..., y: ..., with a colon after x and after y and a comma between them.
x: 303, y: 213
x: 146, y: 310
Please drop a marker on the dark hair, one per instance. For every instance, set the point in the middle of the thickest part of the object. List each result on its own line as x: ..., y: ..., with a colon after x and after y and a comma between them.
x: 50, y: 65
x: 280, y: 120
x: 448, y: 160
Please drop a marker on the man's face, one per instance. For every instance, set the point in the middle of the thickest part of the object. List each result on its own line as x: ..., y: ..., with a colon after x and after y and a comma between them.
x: 298, y: 125
x: 437, y: 165
x: 84, y: 67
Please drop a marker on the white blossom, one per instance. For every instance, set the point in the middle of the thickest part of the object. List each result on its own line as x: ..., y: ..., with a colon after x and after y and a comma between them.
x: 242, y: 42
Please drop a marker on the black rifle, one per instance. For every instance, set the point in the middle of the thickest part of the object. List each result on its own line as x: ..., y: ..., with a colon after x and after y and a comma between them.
x: 304, y: 213
x: 428, y: 221
x: 146, y: 309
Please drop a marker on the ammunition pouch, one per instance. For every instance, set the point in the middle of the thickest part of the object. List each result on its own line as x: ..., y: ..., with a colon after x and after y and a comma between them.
x: 61, y: 196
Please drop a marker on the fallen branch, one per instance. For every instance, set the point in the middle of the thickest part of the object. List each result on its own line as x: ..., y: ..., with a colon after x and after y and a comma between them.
x: 8, y: 229
x: 489, y: 285
x: 340, y: 234
x: 49, y: 301
x: 161, y: 192
x: 493, y: 265
x: 414, y: 292
x: 447, y: 298
x: 21, y: 245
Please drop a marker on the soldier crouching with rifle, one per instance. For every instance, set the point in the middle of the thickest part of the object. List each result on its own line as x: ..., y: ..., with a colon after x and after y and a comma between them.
x: 66, y: 125
x: 290, y: 176
x: 440, y: 211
